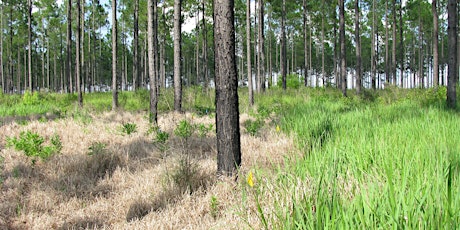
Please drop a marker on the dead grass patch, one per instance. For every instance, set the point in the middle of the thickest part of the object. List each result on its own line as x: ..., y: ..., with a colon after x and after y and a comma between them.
x: 127, y: 186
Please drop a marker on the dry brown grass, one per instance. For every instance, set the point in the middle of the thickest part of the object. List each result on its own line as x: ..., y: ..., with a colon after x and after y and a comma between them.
x: 126, y: 186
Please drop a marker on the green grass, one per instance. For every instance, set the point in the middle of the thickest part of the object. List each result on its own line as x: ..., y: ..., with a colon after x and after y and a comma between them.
x: 389, y: 163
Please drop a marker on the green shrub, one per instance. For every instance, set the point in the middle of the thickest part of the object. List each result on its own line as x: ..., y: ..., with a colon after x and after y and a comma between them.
x: 32, y: 145
x: 129, y: 128
x: 253, y: 126
x: 30, y: 98
x: 203, y: 129
x: 184, y: 129
x: 292, y: 81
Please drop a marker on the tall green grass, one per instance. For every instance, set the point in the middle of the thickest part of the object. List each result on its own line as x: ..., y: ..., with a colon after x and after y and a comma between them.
x: 389, y: 162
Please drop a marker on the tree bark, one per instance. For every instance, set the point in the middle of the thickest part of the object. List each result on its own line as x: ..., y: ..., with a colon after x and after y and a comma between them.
x: 248, y: 52
x: 452, y: 74
x: 305, y: 43
x: 29, y: 44
x: 283, y: 45
x: 227, y: 113
x: 261, y: 47
x: 401, y: 46
x: 358, y: 49
x: 435, y: 44
x: 114, y: 56
x: 343, y: 55
x: 1, y: 51
x: 77, y: 56
x: 393, y: 53
x: 152, y: 39
x: 373, y: 61
x: 387, y: 64
x: 69, y: 47
x: 136, y: 46
x: 205, y: 47
x: 177, y: 56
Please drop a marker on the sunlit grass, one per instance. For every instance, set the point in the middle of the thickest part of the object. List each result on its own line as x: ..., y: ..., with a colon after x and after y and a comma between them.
x: 389, y: 163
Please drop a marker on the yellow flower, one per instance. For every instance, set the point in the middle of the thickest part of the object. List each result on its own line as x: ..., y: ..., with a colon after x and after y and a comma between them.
x: 278, y: 128
x: 250, y: 180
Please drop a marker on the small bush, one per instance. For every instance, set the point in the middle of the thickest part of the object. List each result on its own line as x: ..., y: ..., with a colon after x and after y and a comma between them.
x: 214, y: 206
x: 203, y: 129
x: 292, y: 81
x: 30, y: 98
x: 253, y: 126
x: 184, y: 129
x: 129, y: 128
x: 32, y: 145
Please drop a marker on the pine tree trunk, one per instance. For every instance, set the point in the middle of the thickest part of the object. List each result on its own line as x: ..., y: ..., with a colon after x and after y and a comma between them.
x: 393, y: 53
x: 358, y: 49
x: 177, y: 56
x: 114, y: 56
x: 227, y: 114
x: 69, y: 47
x: 343, y: 55
x: 387, y: 64
x: 261, y: 47
x: 435, y: 44
x: 452, y: 75
x: 248, y: 52
x: 29, y: 44
x: 373, y: 61
x: 77, y: 56
x: 283, y: 45
x: 205, y: 47
x: 401, y: 46
x: 305, y: 44
x: 152, y: 39
x: 136, y: 46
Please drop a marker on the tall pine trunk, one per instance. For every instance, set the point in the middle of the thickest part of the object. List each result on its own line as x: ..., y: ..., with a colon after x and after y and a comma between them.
x: 177, y: 56
x: 152, y: 39
x: 77, y: 56
x: 29, y: 44
x: 136, y: 46
x: 261, y: 47
x: 358, y: 49
x: 435, y: 44
x: 68, y: 64
x: 248, y: 52
x: 343, y: 55
x: 114, y: 56
x: 452, y: 75
x: 227, y: 114
x: 283, y: 45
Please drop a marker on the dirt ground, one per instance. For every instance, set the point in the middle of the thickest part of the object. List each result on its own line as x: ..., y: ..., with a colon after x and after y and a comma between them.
x: 131, y: 182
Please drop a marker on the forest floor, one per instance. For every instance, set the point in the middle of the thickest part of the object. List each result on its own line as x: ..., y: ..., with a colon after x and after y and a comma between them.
x: 105, y: 178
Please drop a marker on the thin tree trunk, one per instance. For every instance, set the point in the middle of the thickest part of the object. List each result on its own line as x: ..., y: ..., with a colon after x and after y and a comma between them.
x: 227, y: 114
x: 29, y: 44
x: 136, y: 46
x: 205, y: 46
x: 393, y: 53
x: 248, y: 52
x: 83, y: 72
x: 373, y: 61
x: 162, y: 51
x: 78, y: 57
x: 177, y: 56
x: 387, y: 64
x: 452, y: 75
x: 261, y: 47
x: 323, y: 69
x: 305, y: 44
x: 151, y: 12
x: 283, y: 45
x: 114, y: 56
x: 435, y: 44
x: 69, y: 46
x: 401, y: 48
x: 358, y: 49
x: 343, y: 55
x: 197, y: 48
